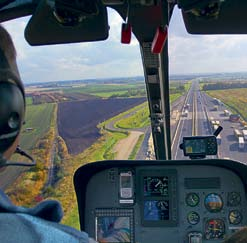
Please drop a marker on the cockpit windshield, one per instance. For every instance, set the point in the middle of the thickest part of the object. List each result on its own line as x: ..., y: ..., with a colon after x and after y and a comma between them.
x: 106, y: 95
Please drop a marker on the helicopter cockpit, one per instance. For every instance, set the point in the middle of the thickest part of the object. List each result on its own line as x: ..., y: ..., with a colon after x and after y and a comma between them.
x: 201, y: 199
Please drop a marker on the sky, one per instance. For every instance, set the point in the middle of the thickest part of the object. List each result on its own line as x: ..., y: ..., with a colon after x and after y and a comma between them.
x: 187, y: 54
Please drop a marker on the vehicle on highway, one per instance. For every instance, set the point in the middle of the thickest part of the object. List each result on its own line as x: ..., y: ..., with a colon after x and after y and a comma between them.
x: 215, y: 108
x: 234, y: 117
x: 187, y: 106
x: 237, y: 133
x: 244, y: 134
x: 188, y: 193
x: 226, y: 113
x: 241, y: 143
x: 185, y: 113
x: 215, y: 127
x: 218, y: 139
x: 216, y: 101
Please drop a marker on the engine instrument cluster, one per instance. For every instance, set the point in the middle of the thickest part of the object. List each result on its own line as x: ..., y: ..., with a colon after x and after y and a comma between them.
x: 178, y: 203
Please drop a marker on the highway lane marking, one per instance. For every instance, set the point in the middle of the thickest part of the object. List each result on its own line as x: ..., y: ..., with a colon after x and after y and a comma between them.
x: 179, y: 138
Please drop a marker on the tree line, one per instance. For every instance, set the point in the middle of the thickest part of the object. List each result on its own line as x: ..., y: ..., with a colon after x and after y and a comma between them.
x: 142, y: 92
x: 222, y: 85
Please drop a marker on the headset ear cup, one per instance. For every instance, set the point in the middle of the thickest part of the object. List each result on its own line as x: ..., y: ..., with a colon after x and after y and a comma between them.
x: 12, y: 111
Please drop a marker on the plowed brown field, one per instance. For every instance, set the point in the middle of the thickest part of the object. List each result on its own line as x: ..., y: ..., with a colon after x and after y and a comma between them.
x: 77, y: 121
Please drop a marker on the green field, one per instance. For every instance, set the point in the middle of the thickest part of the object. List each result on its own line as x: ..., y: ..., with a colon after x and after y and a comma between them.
x: 29, y: 100
x: 105, y: 90
x: 173, y: 97
x: 139, y: 119
x: 38, y: 121
x: 235, y: 99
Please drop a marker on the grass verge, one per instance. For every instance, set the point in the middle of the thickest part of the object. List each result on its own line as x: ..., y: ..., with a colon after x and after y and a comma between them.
x: 136, y: 148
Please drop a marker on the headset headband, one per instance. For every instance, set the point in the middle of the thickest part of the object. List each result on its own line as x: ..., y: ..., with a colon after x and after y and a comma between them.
x: 6, y: 74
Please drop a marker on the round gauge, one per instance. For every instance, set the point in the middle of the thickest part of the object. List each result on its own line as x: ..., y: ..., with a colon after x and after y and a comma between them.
x: 235, y: 217
x: 233, y: 199
x: 213, y: 203
x: 192, y: 199
x: 214, y: 229
x: 193, y: 218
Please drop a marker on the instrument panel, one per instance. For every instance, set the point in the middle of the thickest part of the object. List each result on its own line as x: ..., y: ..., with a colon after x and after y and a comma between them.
x: 186, y: 203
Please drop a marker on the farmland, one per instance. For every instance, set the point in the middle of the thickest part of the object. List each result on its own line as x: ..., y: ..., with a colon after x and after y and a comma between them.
x: 81, y: 131
x: 58, y: 96
x: 38, y: 120
x: 79, y: 113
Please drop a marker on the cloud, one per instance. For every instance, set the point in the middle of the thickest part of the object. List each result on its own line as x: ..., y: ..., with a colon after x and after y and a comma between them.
x: 79, y: 60
x: 187, y: 54
x: 204, y: 53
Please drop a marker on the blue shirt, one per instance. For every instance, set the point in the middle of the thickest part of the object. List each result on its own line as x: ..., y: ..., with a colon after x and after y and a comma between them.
x: 35, y: 225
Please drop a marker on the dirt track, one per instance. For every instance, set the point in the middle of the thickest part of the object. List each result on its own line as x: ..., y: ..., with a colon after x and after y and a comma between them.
x: 125, y: 146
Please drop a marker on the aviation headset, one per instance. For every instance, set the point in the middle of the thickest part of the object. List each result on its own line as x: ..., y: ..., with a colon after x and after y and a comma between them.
x: 12, y: 111
x: 12, y: 104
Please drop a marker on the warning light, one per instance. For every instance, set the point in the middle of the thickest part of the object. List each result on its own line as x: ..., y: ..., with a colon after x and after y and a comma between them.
x: 126, y: 33
x: 159, y: 39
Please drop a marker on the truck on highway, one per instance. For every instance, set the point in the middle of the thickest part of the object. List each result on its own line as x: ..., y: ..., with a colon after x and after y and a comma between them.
x: 226, y: 113
x: 215, y: 127
x: 185, y: 113
x: 215, y: 108
x: 217, y: 123
x: 237, y: 133
x: 187, y: 106
x: 241, y: 143
x: 245, y: 134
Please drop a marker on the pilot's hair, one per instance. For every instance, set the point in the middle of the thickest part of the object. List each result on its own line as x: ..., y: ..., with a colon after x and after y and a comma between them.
x: 7, y: 45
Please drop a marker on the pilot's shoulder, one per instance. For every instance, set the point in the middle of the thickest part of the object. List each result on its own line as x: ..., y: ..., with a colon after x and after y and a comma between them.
x: 21, y: 227
x: 37, y: 224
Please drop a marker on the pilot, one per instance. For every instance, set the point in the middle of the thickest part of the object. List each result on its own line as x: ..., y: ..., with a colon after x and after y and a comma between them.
x: 20, y: 224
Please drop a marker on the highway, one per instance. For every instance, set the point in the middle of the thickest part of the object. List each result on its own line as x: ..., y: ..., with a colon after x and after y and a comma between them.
x: 197, y: 122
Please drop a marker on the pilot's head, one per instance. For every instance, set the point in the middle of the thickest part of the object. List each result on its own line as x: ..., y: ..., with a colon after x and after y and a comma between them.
x: 12, y: 101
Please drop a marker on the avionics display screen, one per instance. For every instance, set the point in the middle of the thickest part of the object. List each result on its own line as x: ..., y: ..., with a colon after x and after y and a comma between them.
x: 156, y: 186
x: 156, y: 210
x: 197, y: 146
x: 158, y: 197
x: 114, y: 225
x: 113, y: 229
